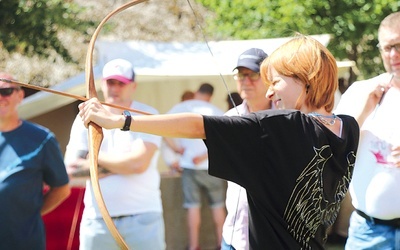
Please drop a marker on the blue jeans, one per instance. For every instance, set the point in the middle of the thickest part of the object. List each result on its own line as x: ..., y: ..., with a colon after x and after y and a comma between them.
x: 140, y: 232
x: 365, y: 235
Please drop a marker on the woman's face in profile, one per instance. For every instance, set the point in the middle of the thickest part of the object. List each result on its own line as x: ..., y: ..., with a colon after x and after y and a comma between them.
x: 285, y: 91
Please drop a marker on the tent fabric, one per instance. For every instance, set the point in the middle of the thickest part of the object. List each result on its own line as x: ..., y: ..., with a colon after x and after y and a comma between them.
x: 154, y: 62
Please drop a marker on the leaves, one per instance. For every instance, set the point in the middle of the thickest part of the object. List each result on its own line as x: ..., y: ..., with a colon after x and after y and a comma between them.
x: 31, y: 27
x: 50, y: 27
x: 352, y: 23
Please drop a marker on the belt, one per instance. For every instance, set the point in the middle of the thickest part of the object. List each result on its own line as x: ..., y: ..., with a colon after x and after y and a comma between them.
x: 392, y: 223
x: 121, y: 216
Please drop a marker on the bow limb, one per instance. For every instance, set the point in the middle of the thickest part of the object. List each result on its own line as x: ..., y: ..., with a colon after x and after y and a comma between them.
x: 96, y: 133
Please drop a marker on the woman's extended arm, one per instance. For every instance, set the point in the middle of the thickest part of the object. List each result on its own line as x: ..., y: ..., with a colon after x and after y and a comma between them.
x: 182, y: 125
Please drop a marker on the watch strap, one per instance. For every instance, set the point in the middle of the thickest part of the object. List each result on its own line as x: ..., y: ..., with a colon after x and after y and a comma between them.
x: 128, y: 120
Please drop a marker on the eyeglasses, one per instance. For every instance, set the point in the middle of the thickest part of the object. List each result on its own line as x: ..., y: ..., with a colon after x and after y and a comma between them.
x: 252, y: 76
x: 389, y: 48
x: 7, y: 91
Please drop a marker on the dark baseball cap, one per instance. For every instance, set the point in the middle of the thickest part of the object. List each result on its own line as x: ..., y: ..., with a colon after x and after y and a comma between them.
x: 251, y: 59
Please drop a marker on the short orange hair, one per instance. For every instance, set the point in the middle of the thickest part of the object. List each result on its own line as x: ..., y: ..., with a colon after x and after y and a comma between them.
x: 309, y: 62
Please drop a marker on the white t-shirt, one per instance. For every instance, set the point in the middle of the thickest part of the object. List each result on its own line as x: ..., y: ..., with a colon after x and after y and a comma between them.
x: 376, y: 182
x: 168, y: 154
x: 123, y: 194
x: 194, y: 147
x: 235, y: 231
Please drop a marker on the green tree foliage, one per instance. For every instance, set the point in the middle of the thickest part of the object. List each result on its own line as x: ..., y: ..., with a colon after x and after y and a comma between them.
x: 353, y: 24
x: 32, y: 27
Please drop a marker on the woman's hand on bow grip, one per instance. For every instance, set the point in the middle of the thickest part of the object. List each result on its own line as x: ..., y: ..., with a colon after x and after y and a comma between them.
x: 93, y: 111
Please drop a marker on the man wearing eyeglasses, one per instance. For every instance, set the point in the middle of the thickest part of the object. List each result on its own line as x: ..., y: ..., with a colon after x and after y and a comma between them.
x: 374, y: 189
x: 235, y: 234
x: 29, y: 157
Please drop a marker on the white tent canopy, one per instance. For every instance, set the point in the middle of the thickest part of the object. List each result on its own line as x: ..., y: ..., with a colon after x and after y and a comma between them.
x: 186, y: 59
x: 183, y: 64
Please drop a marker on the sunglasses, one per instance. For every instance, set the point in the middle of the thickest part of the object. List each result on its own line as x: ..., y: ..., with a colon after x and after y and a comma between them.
x: 7, y: 91
x: 252, y: 76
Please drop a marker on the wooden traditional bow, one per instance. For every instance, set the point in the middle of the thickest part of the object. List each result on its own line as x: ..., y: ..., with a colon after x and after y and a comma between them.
x: 96, y: 133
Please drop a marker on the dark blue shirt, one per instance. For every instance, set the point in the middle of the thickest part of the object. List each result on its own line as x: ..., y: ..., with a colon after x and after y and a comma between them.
x: 29, y: 157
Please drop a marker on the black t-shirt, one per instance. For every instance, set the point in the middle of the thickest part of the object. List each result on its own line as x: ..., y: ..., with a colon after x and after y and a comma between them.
x: 295, y: 170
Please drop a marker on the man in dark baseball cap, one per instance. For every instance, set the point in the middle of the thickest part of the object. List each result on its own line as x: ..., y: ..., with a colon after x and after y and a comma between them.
x: 251, y: 59
x: 252, y: 90
x: 247, y: 76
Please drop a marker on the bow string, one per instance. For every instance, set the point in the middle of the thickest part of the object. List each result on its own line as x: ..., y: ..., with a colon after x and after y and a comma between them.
x: 212, y: 55
x: 230, y: 98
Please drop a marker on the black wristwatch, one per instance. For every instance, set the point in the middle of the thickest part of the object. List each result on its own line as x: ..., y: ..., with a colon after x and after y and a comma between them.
x: 128, y: 120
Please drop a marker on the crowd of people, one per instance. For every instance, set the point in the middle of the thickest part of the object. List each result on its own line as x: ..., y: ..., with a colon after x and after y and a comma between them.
x: 277, y: 167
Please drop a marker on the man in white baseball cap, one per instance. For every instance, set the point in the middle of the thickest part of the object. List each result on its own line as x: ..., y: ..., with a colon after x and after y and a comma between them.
x: 130, y: 180
x: 119, y: 84
x: 119, y: 69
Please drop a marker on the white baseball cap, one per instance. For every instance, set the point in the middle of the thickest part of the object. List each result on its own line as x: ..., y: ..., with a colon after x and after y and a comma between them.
x: 119, y: 69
